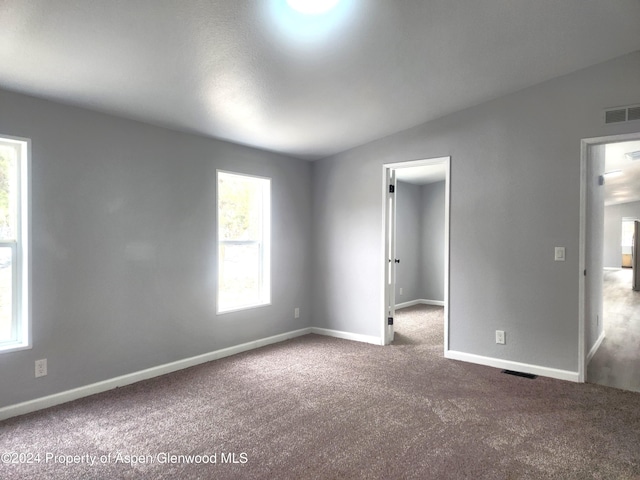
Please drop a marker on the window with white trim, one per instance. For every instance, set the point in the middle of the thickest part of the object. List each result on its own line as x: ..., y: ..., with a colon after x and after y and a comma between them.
x: 244, y: 241
x: 14, y: 308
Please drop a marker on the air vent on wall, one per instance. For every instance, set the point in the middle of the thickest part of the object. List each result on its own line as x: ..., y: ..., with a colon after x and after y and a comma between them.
x: 633, y: 113
x: 622, y: 114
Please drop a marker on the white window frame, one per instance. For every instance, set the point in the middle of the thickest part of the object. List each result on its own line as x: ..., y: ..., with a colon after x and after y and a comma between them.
x: 264, y: 251
x: 21, y: 321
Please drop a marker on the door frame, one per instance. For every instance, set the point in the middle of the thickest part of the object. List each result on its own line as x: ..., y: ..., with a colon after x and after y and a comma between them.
x: 390, y: 262
x: 586, y: 145
x: 446, y: 161
x: 634, y: 254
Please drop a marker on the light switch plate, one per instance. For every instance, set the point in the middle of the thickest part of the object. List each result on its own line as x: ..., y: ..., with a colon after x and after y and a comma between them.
x: 559, y: 254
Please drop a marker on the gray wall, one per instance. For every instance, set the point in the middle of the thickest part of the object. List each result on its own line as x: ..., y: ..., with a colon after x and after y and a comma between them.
x: 408, y: 242
x: 613, y: 215
x: 124, y: 246
x: 515, y: 194
x: 433, y: 204
x: 420, y: 241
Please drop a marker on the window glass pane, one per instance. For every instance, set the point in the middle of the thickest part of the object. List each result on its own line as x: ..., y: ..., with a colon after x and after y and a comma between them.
x: 243, y: 241
x: 627, y: 232
x: 14, y: 312
x: 239, y: 276
x: 8, y: 192
x: 6, y: 295
x: 240, y: 200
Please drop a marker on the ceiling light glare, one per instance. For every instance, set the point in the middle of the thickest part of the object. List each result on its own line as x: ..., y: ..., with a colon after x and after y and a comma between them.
x: 312, y: 7
x: 613, y: 173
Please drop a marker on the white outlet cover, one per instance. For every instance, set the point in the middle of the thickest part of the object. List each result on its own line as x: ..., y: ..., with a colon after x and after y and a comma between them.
x: 500, y: 339
x: 41, y: 368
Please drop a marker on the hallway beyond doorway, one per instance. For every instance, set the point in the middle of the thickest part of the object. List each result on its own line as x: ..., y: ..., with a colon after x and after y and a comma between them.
x: 617, y: 361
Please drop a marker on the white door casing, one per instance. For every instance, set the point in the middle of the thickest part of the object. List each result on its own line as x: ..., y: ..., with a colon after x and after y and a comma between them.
x: 635, y: 252
x: 390, y: 253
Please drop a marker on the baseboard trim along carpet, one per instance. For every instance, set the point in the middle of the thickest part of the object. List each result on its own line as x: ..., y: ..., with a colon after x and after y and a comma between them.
x: 84, y: 391
x: 595, y: 347
x: 420, y: 301
x: 348, y: 335
x: 80, y: 392
x: 510, y: 365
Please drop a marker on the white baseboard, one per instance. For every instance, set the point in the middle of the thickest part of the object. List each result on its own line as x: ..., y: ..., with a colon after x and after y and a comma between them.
x: 410, y: 303
x: 103, y: 386
x: 510, y: 365
x: 439, y: 303
x: 420, y: 301
x: 357, y: 337
x: 595, y: 347
x: 613, y: 268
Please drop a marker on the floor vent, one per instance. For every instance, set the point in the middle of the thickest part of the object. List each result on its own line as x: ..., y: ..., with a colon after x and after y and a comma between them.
x: 530, y: 376
x: 622, y: 114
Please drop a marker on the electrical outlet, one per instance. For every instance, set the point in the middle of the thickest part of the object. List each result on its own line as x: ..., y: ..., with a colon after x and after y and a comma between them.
x: 400, y: 290
x: 296, y: 312
x: 500, y: 337
x: 41, y: 367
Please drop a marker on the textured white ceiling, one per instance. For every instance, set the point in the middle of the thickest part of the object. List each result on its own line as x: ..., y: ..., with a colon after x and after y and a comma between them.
x: 256, y: 73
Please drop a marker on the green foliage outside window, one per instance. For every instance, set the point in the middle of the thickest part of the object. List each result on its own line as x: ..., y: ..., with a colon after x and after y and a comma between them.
x: 237, y: 197
x: 7, y: 177
x: 7, y: 232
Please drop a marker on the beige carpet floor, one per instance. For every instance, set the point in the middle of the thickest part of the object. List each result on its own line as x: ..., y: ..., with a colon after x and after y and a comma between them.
x: 324, y: 408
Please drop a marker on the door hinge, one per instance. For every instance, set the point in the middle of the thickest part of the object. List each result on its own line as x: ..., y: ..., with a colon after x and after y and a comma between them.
x: 392, y: 188
x: 389, y: 320
x: 585, y: 273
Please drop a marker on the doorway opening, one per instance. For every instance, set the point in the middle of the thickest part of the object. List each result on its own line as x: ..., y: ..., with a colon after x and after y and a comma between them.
x: 416, y: 245
x: 609, y: 325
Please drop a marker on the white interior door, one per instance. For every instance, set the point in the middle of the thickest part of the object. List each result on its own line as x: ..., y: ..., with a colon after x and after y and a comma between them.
x: 390, y: 253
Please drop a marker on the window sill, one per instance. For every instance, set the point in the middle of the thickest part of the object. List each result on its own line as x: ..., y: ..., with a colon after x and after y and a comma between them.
x: 14, y: 347
x: 239, y: 309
